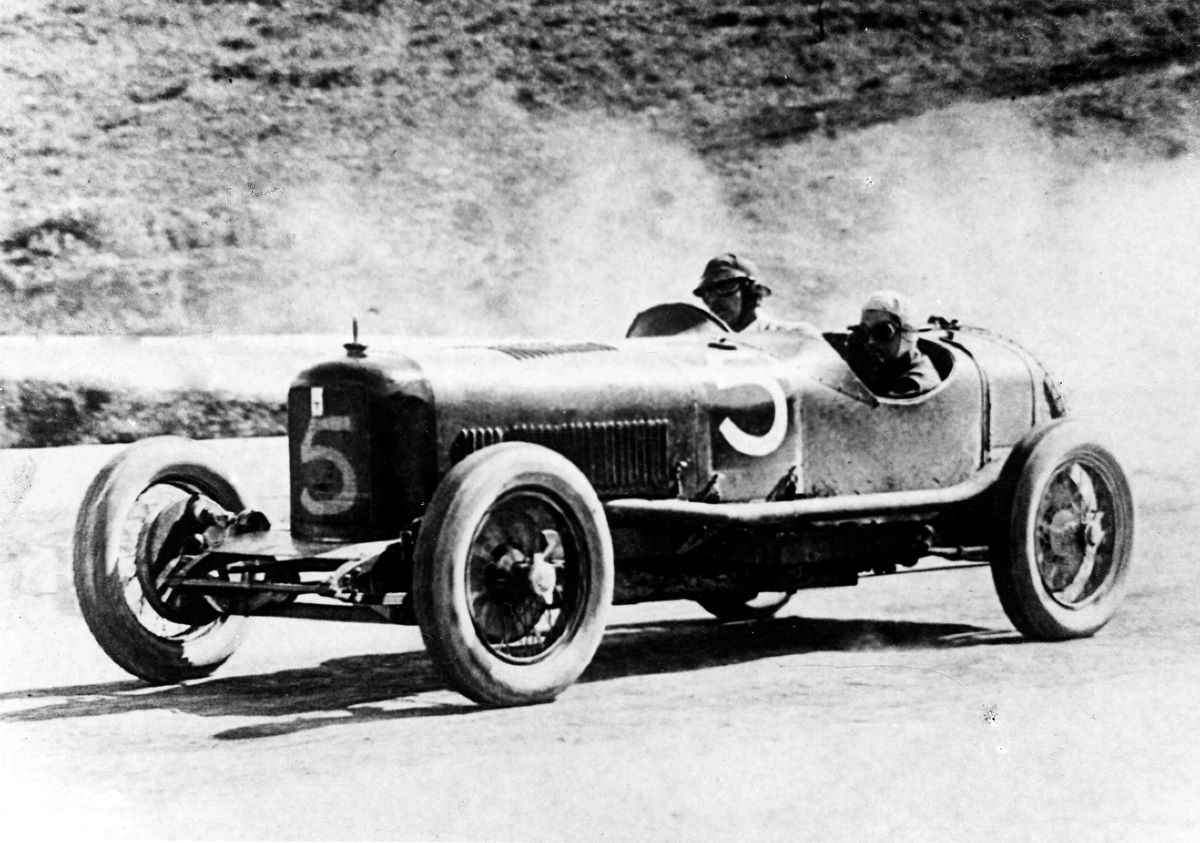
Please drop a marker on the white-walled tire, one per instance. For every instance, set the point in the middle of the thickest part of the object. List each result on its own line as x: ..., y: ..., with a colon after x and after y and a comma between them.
x: 123, y: 533
x: 1063, y: 533
x: 514, y: 575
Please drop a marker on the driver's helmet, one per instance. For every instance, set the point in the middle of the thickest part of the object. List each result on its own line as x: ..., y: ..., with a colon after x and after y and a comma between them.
x: 899, y: 306
x: 726, y: 267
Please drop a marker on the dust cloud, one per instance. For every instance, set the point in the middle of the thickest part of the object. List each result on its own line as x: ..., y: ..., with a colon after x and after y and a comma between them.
x: 505, y: 226
x: 980, y: 216
x: 514, y: 229
x: 1087, y: 255
x: 568, y: 227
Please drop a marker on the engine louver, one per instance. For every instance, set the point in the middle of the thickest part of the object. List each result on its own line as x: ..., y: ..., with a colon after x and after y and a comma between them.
x: 530, y: 351
x: 618, y: 457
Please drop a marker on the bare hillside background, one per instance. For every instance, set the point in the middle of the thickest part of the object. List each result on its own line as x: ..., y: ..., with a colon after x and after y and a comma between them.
x: 547, y: 168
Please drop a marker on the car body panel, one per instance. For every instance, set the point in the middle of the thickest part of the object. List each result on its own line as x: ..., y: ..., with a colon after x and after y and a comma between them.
x: 511, y: 385
x: 1012, y: 383
x: 928, y: 442
x: 707, y: 415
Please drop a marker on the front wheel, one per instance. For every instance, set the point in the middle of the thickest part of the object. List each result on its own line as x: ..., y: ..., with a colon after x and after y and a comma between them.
x: 513, y: 575
x: 1062, y: 534
x: 130, y: 529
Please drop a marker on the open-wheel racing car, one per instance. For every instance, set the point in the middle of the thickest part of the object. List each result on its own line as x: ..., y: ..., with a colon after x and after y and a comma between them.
x: 503, y: 495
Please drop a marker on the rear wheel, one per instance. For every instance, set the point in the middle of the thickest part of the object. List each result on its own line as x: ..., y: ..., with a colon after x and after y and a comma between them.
x: 513, y: 575
x: 130, y: 529
x: 1063, y: 534
x: 745, y: 606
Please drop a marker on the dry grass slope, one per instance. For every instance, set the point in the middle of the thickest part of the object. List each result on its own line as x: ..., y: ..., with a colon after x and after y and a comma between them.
x: 276, y: 166
x: 148, y: 147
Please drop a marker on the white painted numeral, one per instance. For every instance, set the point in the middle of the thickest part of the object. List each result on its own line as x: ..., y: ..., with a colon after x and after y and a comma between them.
x: 311, y: 453
x: 749, y: 443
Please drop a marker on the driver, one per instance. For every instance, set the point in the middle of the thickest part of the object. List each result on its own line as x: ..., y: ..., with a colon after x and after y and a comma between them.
x: 884, y: 347
x: 729, y: 288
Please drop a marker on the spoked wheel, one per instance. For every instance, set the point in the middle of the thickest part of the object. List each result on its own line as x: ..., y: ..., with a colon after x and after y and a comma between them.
x: 1063, y: 534
x: 129, y: 534
x: 513, y: 575
x: 521, y: 590
x: 745, y: 605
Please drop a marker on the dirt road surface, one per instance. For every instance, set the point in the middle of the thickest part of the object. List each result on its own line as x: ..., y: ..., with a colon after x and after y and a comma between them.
x: 904, y: 708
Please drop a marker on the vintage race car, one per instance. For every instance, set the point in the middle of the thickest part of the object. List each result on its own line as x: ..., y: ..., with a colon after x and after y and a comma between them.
x: 504, y: 495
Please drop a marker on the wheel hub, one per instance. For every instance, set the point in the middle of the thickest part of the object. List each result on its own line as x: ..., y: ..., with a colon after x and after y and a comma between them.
x: 514, y: 576
x: 516, y: 580
x: 1071, y: 533
x: 519, y: 588
x: 160, y: 544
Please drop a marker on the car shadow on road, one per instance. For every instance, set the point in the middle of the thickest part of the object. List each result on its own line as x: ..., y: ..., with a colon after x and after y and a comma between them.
x: 392, y: 686
x: 681, y: 645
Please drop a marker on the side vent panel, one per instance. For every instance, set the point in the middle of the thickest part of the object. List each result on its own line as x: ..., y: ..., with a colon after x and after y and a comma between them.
x: 533, y: 350
x: 618, y: 457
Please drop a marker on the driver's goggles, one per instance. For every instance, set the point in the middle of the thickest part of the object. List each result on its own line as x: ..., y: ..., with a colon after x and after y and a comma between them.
x: 879, y: 332
x: 722, y: 289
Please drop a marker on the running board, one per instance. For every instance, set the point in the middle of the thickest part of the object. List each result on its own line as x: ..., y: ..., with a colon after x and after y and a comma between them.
x: 841, y: 507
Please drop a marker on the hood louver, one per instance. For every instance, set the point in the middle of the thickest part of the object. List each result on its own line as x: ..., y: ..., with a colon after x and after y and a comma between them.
x: 529, y: 351
x: 618, y: 457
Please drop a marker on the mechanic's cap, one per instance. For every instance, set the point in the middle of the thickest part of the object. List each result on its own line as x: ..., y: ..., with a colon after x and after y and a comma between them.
x: 895, y: 303
x: 725, y: 267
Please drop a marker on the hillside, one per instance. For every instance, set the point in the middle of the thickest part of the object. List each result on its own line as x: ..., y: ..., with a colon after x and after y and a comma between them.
x: 206, y: 167
x: 442, y: 167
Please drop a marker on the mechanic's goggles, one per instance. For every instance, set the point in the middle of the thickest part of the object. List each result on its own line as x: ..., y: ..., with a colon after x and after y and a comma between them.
x: 722, y: 289
x: 878, y: 332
